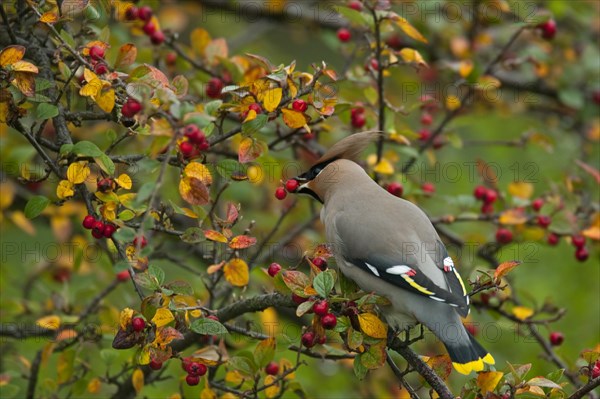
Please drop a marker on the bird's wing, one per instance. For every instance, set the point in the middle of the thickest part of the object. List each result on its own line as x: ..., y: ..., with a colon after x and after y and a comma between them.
x: 410, y: 277
x: 455, y: 283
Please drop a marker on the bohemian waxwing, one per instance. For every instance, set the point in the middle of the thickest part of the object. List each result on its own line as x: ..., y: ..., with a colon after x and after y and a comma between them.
x: 388, y: 246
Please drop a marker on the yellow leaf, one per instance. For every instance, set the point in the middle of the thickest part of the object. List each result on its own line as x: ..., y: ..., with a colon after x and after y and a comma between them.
x: 251, y: 116
x: 236, y: 272
x: 487, y: 82
x: 11, y: 54
x: 199, y: 39
x: 522, y: 312
x: 272, y: 98
x: 384, y: 167
x: 89, y: 76
x: 504, y: 268
x: 91, y: 88
x: 49, y: 17
x: 125, y: 318
x: 285, y: 364
x: 488, y: 380
x: 208, y: 393
x: 24, y: 66
x: 25, y: 82
x: 521, y: 189
x: 137, y: 379
x: 64, y: 189
x: 21, y: 221
x: 124, y: 181
x: 105, y: 100
x: 408, y: 29
x: 273, y: 390
x: 372, y: 325
x: 234, y: 377
x: 49, y: 322
x: 163, y: 317
x: 94, y: 385
x: 193, y: 191
x: 293, y: 119
x: 512, y: 217
x: 214, y: 235
x: 412, y: 56
x: 250, y: 149
x: 452, y: 102
x: 78, y: 172
x: 465, y: 68
x: 199, y: 171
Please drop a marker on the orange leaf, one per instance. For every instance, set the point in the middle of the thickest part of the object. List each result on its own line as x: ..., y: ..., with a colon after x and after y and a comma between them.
x: 236, y: 272
x: 199, y: 39
x: 215, y: 268
x: 167, y: 334
x: 512, y: 216
x: 241, y: 242
x: 441, y: 364
x: 193, y: 191
x: 127, y: 55
x: 25, y: 82
x: 11, y: 54
x: 199, y: 171
x: 504, y: 268
x: 214, y: 236
x: 249, y: 150
x: 293, y: 119
x: 49, y: 17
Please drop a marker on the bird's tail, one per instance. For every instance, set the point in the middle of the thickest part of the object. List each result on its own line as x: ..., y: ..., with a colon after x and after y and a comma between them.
x: 468, y: 355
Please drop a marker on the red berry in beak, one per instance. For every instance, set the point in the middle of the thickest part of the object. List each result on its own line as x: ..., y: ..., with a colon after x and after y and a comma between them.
x: 291, y: 185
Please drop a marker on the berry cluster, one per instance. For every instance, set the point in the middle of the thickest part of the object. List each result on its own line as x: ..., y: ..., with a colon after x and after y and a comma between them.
x: 581, y: 253
x: 290, y: 186
x: 196, y: 142
x: 357, y: 117
x: 144, y: 14
x: 96, y: 56
x: 99, y: 228
x: 428, y: 108
x: 488, y: 196
x: 195, y: 370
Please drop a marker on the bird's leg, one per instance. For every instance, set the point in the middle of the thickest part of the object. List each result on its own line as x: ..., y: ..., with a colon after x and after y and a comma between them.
x: 392, y: 334
x: 418, y: 338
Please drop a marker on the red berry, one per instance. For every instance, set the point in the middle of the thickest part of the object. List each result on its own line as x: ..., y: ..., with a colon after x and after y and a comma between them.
x: 428, y: 188
x: 272, y: 368
x: 490, y: 196
x: 487, y: 208
x: 358, y: 120
x: 308, y: 339
x: 438, y: 142
x: 372, y: 64
x: 299, y: 105
x: 553, y: 239
x: 192, y: 380
x: 138, y: 324
x: 582, y: 254
x: 212, y: 317
x: 131, y: 108
x: 548, y: 29
x: 145, y: 13
x: 109, y: 230
x: 61, y: 275
x: 394, y: 42
x: 280, y: 193
x: 291, y: 185
x: 320, y: 262
x: 556, y: 338
x: 123, y: 275
x: 596, y: 96
x: 329, y: 321
x: 214, y: 87
x: 596, y: 370
x: 196, y: 369
x: 321, y: 340
x: 504, y: 236
x: 100, y: 68
x: 344, y: 35
x: 157, y: 37
x: 297, y: 299
x: 537, y: 204
x: 578, y: 240
x: 424, y: 134
x: 194, y: 134
x: 395, y: 188
x: 355, y: 5
x: 273, y: 269
x: 204, y: 145
x: 426, y: 119
x: 356, y: 111
x: 154, y: 365
x: 171, y: 58
x: 131, y: 14
x: 255, y: 107
x: 98, y: 229
x: 321, y: 308
x: 105, y: 184
x: 96, y: 53
x: 88, y: 222
x: 186, y: 148
x: 142, y: 242
x: 544, y: 221
x: 479, y: 192
x: 149, y: 28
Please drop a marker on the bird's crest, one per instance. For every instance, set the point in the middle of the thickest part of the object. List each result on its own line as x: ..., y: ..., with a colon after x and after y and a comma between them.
x: 350, y: 147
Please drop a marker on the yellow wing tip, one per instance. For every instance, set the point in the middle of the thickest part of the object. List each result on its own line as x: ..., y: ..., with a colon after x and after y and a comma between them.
x: 475, y: 365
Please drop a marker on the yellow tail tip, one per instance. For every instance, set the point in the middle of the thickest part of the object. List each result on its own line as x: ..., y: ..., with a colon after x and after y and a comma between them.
x: 475, y: 365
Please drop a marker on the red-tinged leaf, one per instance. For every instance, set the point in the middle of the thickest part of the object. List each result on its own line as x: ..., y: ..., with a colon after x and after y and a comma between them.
x: 150, y: 75
x: 323, y: 251
x: 375, y: 357
x: 241, y: 242
x: 249, y: 150
x: 215, y: 268
x: 215, y: 236
x: 232, y: 213
x: 331, y: 74
x: 589, y: 169
x: 296, y: 281
x: 441, y: 364
x: 216, y: 50
x: 504, y: 268
x: 127, y: 55
x: 487, y: 173
x: 193, y: 191
x: 167, y: 334
x: 265, y: 63
x: 25, y: 82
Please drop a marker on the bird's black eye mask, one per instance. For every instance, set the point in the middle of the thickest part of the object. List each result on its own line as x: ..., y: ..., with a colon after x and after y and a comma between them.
x: 310, y: 175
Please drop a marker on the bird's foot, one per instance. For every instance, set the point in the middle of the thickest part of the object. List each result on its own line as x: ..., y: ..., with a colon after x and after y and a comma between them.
x: 409, y: 341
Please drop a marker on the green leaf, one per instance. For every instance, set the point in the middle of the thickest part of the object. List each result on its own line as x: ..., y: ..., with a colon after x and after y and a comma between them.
x: 180, y: 287
x: 212, y: 107
x: 193, y: 235
x: 87, y: 149
x: 35, y: 206
x: 145, y: 280
x: 304, y: 307
x: 66, y: 149
x: 227, y: 167
x: 144, y: 193
x: 265, y: 351
x: 46, y: 111
x: 120, y: 266
x: 126, y: 215
x: 572, y: 98
x: 124, y: 234
x: 374, y: 357
x: 157, y: 273
x: 207, y: 326
x: 254, y: 126
x: 323, y: 284
x: 360, y: 371
x: 244, y: 364
x: 105, y: 163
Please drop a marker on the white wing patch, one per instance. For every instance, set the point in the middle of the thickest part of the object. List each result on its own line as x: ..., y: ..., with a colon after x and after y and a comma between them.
x: 399, y: 270
x: 373, y: 269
